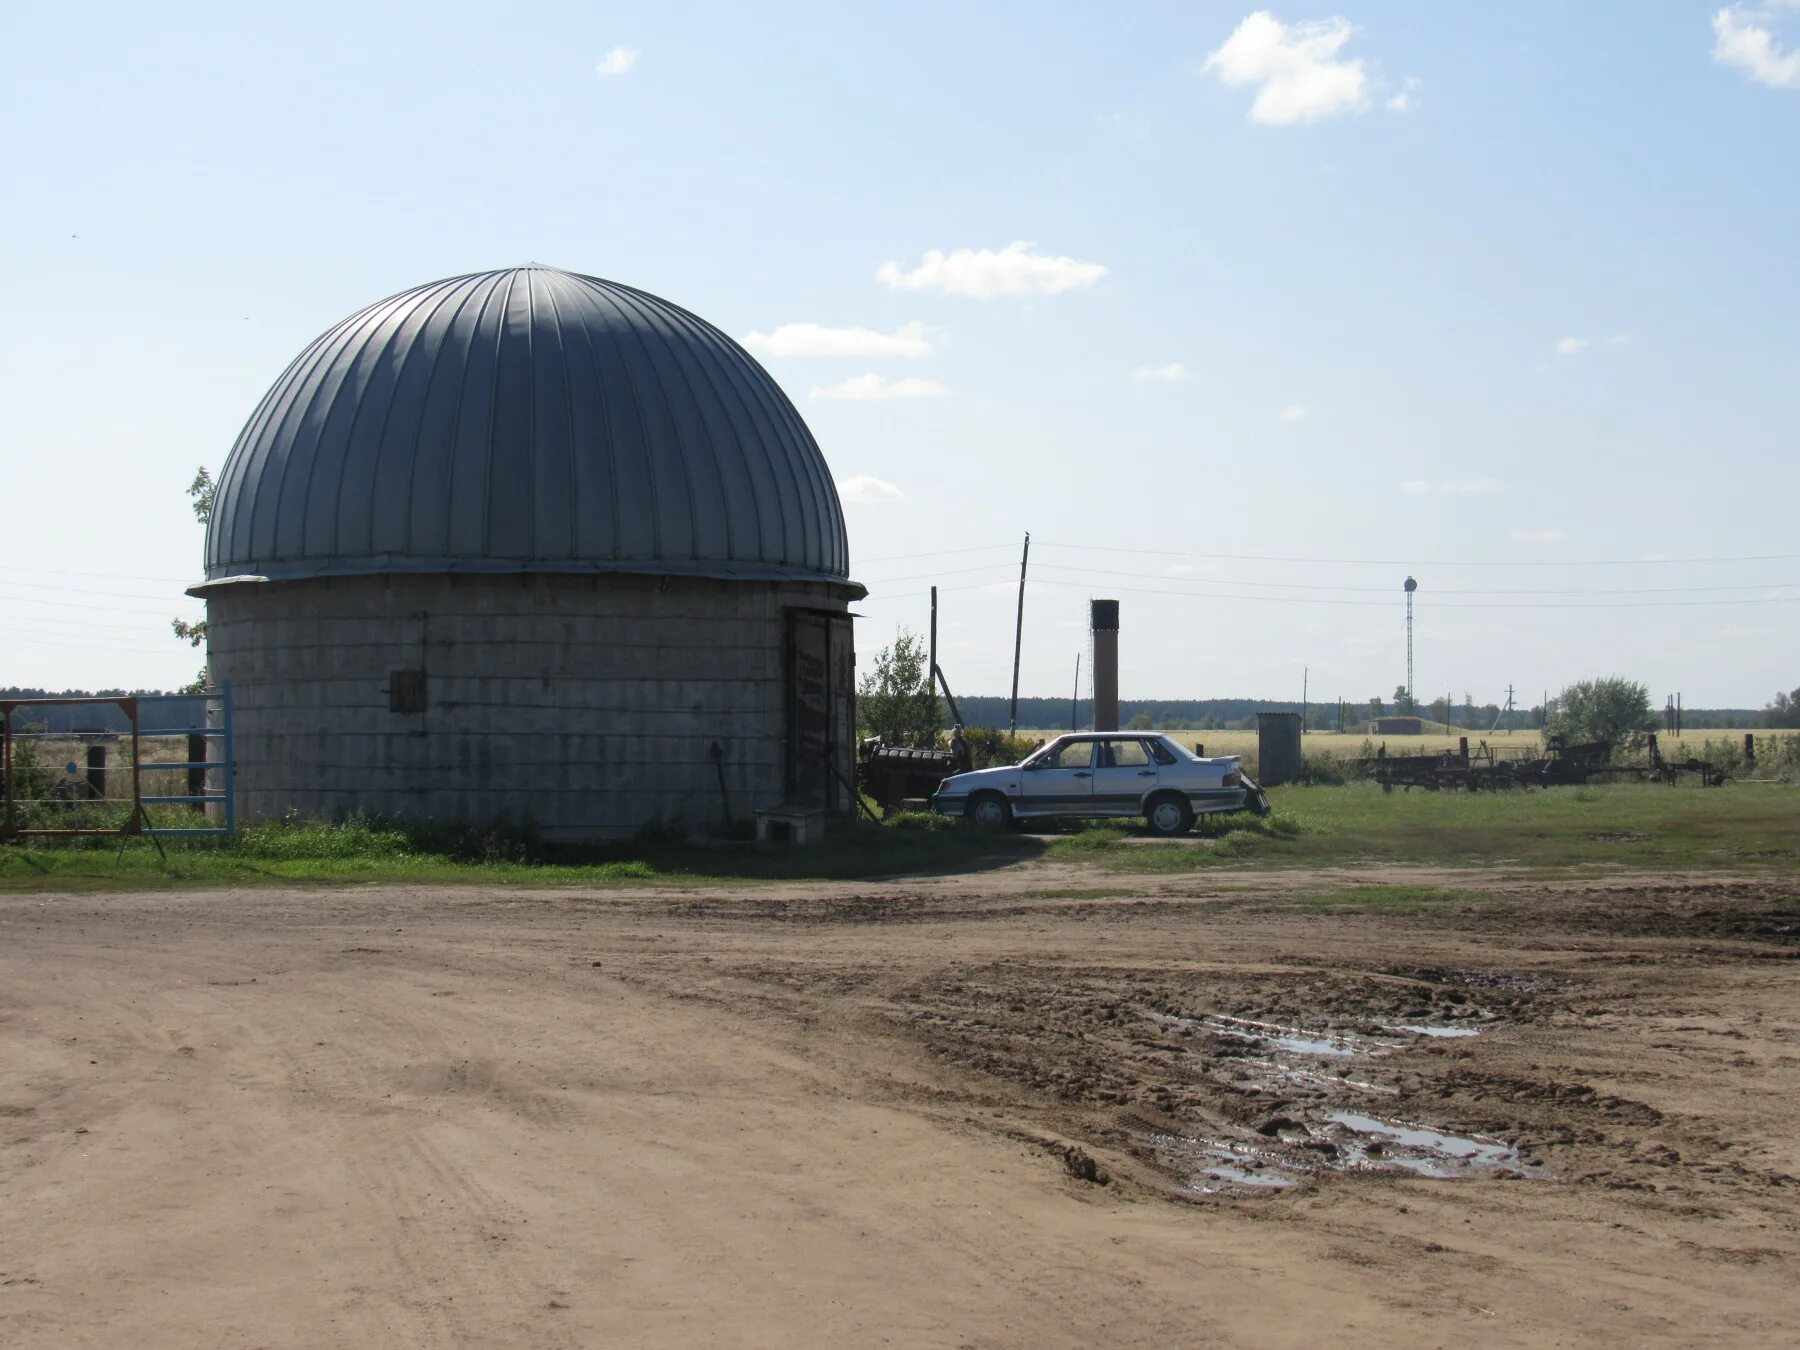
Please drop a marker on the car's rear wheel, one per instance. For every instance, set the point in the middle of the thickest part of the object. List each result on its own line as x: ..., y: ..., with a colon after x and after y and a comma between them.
x: 1169, y: 815
x: 988, y: 811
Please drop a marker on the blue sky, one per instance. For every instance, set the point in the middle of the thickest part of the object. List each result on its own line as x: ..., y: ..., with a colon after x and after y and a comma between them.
x: 1490, y: 294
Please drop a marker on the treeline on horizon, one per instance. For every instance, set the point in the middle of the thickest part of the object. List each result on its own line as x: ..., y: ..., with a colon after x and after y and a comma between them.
x: 77, y: 718
x: 1239, y: 714
x: 1045, y: 714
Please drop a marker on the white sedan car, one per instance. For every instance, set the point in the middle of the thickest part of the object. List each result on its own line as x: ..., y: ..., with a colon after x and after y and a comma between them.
x: 1104, y: 773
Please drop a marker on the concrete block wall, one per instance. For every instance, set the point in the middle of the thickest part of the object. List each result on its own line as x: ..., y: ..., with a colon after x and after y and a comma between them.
x: 587, y: 705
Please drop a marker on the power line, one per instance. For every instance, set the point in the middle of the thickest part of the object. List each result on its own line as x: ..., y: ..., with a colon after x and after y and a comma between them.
x: 72, y: 604
x: 105, y: 576
x: 937, y: 553
x: 1305, y: 600
x: 86, y: 590
x: 1384, y: 590
x: 1429, y: 562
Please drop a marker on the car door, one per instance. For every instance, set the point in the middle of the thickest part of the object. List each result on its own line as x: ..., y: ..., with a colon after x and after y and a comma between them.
x: 1123, y: 772
x: 1061, y: 784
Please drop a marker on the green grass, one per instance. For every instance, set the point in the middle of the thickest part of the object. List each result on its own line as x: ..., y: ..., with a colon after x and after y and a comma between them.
x: 362, y: 850
x: 1636, y: 825
x: 1644, y: 827
x: 1083, y: 893
x: 1379, y: 899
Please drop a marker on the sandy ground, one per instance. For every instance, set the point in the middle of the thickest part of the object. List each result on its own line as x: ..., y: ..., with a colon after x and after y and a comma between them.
x: 1029, y: 1108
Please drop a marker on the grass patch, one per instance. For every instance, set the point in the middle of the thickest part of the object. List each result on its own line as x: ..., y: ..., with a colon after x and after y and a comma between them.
x: 1641, y: 826
x: 1083, y: 893
x: 367, y: 850
x: 1380, y: 899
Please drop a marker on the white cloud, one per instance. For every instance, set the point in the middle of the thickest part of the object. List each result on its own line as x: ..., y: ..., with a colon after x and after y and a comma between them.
x: 860, y: 490
x: 1754, y: 49
x: 617, y: 61
x: 1462, y: 487
x: 984, y: 273
x: 1295, y: 413
x: 877, y: 386
x: 1402, y: 101
x: 813, y: 339
x: 1539, y: 536
x: 1173, y: 373
x: 1569, y: 346
x: 1296, y: 69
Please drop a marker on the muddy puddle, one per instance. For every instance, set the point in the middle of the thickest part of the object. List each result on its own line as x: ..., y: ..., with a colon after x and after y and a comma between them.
x: 1307, y: 1072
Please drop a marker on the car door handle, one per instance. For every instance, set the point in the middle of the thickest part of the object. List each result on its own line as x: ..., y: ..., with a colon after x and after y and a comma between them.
x: 1084, y: 774
x: 1146, y: 773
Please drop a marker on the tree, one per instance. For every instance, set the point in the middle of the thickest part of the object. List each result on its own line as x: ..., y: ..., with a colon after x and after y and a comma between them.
x: 1403, y: 702
x: 1376, y: 708
x: 201, y: 493
x: 1609, y: 709
x: 1440, y: 709
x: 895, y: 700
x: 1139, y: 722
x: 200, y: 497
x: 1784, y: 711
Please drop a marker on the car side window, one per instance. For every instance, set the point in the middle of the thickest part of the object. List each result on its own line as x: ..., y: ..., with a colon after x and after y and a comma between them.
x: 1123, y: 755
x: 1074, y: 755
x: 1163, y: 754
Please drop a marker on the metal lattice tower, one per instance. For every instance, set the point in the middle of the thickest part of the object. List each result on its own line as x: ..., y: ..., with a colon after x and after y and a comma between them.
x: 1411, y: 586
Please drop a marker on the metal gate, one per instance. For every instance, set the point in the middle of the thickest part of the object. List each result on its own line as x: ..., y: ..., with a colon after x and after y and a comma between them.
x: 43, y: 799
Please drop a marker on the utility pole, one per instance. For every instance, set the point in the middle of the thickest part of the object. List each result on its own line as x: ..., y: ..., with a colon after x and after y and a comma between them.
x: 931, y: 671
x: 1305, y: 681
x: 1075, y: 698
x: 1411, y: 586
x: 1012, y: 717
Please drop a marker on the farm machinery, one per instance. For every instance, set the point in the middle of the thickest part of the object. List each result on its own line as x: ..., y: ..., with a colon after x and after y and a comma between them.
x: 1559, y: 765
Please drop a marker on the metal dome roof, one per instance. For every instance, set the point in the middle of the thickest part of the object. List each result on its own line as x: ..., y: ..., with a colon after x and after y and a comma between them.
x: 526, y: 420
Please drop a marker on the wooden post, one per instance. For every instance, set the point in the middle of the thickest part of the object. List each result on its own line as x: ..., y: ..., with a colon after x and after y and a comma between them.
x: 96, y: 772
x: 1749, y: 750
x: 1012, y: 719
x: 196, y: 778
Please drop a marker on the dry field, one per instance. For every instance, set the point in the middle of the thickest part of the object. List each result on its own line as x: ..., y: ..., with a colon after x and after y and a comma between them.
x: 1038, y: 1106
x: 1350, y: 744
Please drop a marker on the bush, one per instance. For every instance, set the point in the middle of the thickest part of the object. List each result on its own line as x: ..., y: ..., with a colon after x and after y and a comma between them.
x: 989, y: 746
x: 29, y: 785
x: 927, y: 821
x: 1776, y: 757
x: 360, y: 836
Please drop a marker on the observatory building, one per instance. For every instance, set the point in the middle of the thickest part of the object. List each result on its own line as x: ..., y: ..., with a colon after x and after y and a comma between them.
x: 531, y: 546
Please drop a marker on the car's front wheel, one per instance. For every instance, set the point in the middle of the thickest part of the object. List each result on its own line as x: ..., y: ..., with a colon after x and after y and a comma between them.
x: 988, y: 811
x: 1169, y: 815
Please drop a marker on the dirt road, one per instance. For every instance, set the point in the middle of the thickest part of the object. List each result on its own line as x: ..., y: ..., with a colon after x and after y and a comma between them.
x: 1030, y: 1108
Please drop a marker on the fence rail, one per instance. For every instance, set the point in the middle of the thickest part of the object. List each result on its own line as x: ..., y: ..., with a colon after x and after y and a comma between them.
x: 208, y: 760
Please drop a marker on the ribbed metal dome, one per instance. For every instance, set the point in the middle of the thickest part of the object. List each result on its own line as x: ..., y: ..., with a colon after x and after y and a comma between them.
x: 527, y: 420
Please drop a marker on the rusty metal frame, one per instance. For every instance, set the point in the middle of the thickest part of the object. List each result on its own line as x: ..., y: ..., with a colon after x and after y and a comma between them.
x: 137, y: 823
x: 10, y: 828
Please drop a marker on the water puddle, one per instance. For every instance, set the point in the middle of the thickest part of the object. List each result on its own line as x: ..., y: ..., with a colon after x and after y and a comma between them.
x: 1293, y: 1039
x: 1446, y: 1033
x: 1306, y: 1067
x: 1216, y: 1168
x: 1429, y: 1153
x: 1239, y: 1176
